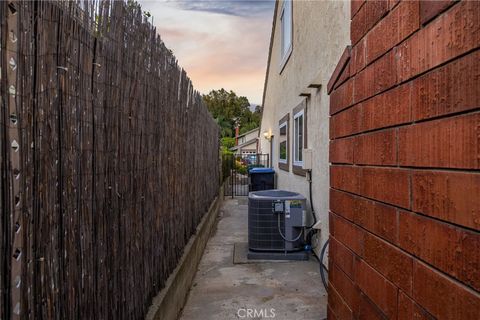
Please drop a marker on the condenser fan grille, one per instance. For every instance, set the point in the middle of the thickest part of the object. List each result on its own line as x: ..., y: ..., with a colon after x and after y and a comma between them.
x: 276, y: 222
x: 263, y: 227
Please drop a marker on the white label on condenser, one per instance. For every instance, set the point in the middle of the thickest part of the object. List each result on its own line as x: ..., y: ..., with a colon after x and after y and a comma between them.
x: 287, y: 207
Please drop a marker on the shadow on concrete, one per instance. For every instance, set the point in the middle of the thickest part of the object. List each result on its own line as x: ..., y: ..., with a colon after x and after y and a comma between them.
x: 222, y: 289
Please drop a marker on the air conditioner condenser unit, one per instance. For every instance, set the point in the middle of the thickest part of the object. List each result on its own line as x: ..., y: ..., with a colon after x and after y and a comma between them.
x: 276, y: 225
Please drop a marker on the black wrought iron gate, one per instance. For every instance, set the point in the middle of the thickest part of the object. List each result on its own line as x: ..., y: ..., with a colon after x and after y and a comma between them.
x: 235, y: 169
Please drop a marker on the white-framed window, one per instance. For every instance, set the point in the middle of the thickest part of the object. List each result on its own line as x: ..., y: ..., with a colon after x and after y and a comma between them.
x: 298, y: 138
x: 283, y: 143
x: 287, y: 32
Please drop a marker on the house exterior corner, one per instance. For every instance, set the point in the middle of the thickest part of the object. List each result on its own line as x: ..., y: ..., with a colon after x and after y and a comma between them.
x: 307, y: 39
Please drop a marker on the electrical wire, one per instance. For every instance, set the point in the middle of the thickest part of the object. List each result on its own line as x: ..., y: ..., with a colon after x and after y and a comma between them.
x: 283, y: 237
x: 323, y: 267
x: 311, y: 199
x: 312, y: 232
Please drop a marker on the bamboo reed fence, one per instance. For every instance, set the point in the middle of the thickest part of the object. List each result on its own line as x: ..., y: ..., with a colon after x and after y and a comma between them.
x: 109, y: 159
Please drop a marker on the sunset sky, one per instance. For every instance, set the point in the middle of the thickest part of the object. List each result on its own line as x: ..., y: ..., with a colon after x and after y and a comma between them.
x: 220, y: 43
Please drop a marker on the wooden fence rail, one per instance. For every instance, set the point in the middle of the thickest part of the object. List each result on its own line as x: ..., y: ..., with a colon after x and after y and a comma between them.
x: 109, y: 159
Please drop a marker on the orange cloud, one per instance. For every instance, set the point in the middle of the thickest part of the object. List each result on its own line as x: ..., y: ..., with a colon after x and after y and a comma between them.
x: 217, y: 50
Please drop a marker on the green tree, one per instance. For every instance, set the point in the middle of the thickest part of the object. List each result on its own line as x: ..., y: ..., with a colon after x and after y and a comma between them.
x: 228, y: 142
x: 226, y: 126
x: 228, y: 108
x: 247, y: 127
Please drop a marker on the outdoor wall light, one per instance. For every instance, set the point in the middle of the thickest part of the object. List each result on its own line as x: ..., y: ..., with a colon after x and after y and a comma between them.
x: 268, y: 134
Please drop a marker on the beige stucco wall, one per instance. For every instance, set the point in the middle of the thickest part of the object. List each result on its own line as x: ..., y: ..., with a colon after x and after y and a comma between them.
x: 321, y: 31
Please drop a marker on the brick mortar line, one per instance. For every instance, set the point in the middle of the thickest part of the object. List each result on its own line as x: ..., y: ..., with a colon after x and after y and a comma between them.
x: 410, y: 197
x: 448, y: 276
x: 383, y: 16
x: 421, y: 27
x: 411, y: 79
x: 411, y: 168
x: 333, y: 260
x: 397, y: 144
x: 355, y: 283
x: 443, y: 11
x: 406, y: 124
x: 468, y: 229
x: 353, y: 222
x: 341, y: 297
x: 399, y: 167
x: 358, y: 10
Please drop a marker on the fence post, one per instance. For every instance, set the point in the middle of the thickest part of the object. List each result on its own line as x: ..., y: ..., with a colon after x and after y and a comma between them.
x: 3, y: 124
x: 14, y: 171
x: 95, y: 184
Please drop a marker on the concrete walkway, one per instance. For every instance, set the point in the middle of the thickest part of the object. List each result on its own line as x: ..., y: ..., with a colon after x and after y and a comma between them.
x: 223, y: 290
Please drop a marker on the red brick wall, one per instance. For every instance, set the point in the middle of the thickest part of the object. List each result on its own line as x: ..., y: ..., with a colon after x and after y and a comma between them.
x: 405, y: 163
